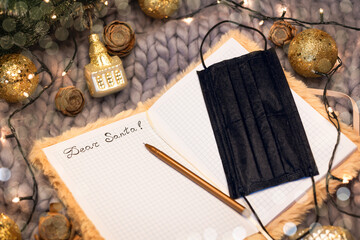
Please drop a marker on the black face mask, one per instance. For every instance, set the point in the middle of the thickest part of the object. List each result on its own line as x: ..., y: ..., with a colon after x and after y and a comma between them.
x: 259, y: 134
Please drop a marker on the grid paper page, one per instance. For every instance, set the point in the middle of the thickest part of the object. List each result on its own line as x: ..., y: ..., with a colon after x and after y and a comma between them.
x: 130, y: 194
x: 183, y: 108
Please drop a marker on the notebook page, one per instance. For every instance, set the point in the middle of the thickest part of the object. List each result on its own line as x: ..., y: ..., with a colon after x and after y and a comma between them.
x: 130, y: 194
x: 183, y: 108
x: 170, y: 137
x: 190, y: 118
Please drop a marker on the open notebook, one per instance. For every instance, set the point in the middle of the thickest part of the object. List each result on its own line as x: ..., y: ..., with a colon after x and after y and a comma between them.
x: 127, y: 193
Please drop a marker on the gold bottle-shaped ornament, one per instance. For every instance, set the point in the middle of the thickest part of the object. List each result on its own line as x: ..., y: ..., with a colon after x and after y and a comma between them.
x: 104, y: 75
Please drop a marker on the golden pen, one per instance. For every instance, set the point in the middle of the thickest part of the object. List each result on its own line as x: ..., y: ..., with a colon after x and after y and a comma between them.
x: 205, y: 185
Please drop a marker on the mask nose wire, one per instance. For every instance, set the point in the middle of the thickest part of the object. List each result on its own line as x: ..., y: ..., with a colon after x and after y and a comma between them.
x: 227, y: 21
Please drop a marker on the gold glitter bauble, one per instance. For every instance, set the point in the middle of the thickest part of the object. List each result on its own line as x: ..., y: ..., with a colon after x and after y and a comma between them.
x: 312, y: 50
x: 159, y: 8
x: 8, y: 228
x: 325, y: 233
x: 17, y: 77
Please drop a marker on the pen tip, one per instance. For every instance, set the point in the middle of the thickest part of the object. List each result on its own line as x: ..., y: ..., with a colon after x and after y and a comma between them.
x: 148, y: 146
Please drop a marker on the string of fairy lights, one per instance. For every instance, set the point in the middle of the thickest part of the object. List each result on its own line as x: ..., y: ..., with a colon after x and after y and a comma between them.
x: 4, y: 135
x: 243, y: 5
x: 188, y: 18
x: 34, y: 197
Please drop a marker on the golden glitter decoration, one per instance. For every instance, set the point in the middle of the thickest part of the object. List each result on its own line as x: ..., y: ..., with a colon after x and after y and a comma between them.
x: 326, y: 233
x: 159, y: 8
x: 17, y: 77
x: 104, y: 75
x: 8, y: 228
x: 312, y: 50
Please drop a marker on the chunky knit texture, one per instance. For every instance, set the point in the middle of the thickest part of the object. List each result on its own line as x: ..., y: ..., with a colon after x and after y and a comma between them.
x: 163, y: 49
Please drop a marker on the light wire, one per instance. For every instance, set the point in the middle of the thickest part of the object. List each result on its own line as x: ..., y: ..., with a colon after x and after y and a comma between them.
x: 43, y: 68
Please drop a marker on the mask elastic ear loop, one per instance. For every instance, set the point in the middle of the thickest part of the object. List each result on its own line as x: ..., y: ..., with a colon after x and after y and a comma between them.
x: 227, y: 21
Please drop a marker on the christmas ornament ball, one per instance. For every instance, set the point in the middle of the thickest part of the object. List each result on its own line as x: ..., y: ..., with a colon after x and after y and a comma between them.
x: 8, y: 228
x: 17, y: 77
x: 159, y: 8
x: 312, y: 50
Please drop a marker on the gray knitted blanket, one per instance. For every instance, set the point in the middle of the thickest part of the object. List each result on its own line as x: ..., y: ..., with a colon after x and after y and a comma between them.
x: 163, y: 49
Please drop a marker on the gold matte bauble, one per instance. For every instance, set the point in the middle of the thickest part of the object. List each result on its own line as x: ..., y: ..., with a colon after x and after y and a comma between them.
x: 159, y: 8
x: 17, y: 77
x: 8, y: 228
x: 312, y: 50
x: 326, y: 233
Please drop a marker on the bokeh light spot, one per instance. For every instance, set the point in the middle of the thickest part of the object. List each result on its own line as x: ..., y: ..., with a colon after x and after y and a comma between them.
x: 20, y: 39
x: 79, y: 24
x: 5, y: 174
x: 343, y: 194
x: 53, y: 48
x: 9, y: 24
x: 6, y: 42
x: 239, y: 233
x: 45, y: 41
x: 289, y: 228
x: 61, y: 33
x: 35, y: 13
x: 46, y: 8
x: 42, y: 28
x: 20, y: 9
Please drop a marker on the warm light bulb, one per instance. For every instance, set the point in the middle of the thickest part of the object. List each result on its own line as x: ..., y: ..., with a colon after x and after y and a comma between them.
x: 16, y: 200
x: 2, y: 136
x: 346, y: 179
x: 188, y: 20
x: 330, y: 110
x: 321, y: 11
x: 26, y: 94
x: 63, y: 73
x: 245, y: 2
x: 47, y: 1
x: 261, y: 22
x: 106, y: 3
x: 53, y: 16
x: 30, y: 76
x: 284, y: 9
